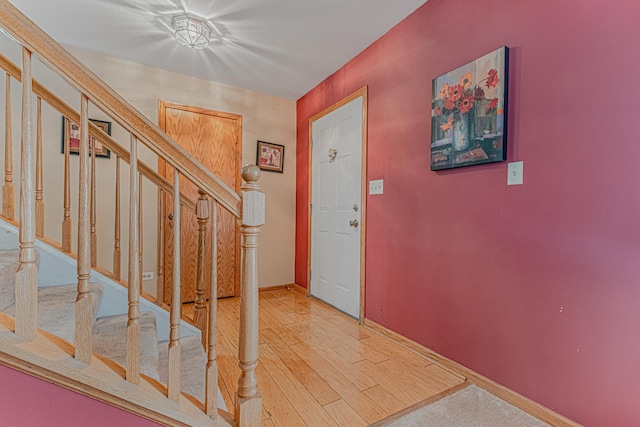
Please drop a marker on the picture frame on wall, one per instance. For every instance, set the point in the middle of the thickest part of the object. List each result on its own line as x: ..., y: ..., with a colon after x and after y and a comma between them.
x: 74, y: 137
x: 270, y: 157
x: 469, y: 113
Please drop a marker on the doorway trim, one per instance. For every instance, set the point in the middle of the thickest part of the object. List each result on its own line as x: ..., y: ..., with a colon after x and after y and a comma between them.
x: 362, y: 92
x: 162, y: 107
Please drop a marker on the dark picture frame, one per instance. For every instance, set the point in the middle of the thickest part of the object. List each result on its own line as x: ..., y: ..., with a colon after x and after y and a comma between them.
x: 74, y: 140
x: 270, y: 157
x: 469, y: 113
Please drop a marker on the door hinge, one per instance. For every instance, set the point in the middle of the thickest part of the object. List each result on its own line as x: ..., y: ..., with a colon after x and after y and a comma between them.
x: 310, y: 208
x: 309, y: 274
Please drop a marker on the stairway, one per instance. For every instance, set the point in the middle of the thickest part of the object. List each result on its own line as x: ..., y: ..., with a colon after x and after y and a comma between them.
x: 56, y: 315
x: 25, y: 343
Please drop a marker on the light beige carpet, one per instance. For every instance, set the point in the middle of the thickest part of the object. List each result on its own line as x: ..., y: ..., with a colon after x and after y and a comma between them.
x: 193, y: 361
x: 110, y: 340
x: 470, y: 407
x: 57, y: 309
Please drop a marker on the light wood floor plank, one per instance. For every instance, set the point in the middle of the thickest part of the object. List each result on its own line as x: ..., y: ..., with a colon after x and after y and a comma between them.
x: 276, y: 405
x: 385, y: 399
x: 309, y: 378
x: 402, y: 391
x: 396, y: 351
x: 344, y: 415
x: 319, y: 367
x: 360, y: 402
x: 304, y: 403
x: 321, y: 342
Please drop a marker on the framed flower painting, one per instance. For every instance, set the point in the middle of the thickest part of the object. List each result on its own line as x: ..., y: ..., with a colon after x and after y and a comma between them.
x: 469, y: 113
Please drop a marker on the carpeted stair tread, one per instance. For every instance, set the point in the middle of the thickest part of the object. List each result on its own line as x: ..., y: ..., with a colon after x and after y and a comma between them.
x: 193, y: 360
x: 110, y: 340
x: 56, y: 308
x: 8, y: 267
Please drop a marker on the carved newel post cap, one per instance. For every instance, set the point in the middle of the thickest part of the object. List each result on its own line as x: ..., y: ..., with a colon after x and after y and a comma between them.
x: 251, y: 174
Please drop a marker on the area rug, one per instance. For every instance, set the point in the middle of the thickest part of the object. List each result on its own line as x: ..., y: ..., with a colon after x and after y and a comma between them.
x: 469, y: 407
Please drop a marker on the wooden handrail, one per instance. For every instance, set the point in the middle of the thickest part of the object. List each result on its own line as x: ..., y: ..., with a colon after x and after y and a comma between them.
x: 60, y: 60
x: 97, y: 133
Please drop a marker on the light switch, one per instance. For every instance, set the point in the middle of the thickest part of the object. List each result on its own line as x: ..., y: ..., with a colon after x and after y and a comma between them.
x: 375, y: 187
x: 514, y: 173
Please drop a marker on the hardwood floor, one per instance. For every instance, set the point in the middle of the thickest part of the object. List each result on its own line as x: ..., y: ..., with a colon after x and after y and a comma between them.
x: 318, y: 367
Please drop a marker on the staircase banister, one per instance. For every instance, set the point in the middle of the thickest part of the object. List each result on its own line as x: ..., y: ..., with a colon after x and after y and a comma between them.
x: 79, y: 76
x: 66, y: 110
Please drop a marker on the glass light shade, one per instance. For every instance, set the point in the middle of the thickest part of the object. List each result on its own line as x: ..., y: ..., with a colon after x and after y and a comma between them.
x: 191, y: 32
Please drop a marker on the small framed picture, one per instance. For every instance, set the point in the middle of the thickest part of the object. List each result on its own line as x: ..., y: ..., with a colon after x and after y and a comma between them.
x: 270, y: 156
x: 74, y: 137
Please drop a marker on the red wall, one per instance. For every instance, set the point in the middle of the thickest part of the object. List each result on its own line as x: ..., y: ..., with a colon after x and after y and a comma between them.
x: 29, y: 402
x: 534, y: 286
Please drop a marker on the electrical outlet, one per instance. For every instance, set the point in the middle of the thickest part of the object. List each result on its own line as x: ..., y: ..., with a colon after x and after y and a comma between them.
x: 147, y: 275
x: 376, y: 187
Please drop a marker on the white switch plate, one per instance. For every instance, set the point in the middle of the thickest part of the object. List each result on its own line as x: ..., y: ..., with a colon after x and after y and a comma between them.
x: 375, y: 187
x: 514, y: 173
x: 147, y: 275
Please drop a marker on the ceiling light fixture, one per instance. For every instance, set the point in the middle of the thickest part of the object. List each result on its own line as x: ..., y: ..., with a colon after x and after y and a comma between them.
x: 191, y: 32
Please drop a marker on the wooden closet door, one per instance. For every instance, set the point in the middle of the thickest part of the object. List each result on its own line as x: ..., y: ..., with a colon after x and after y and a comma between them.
x: 214, y: 139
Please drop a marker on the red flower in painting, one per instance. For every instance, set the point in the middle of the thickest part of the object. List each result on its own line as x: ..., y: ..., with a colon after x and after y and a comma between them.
x: 449, y: 104
x: 492, y: 104
x: 492, y: 78
x: 436, y: 111
x: 456, y: 92
x: 466, y: 103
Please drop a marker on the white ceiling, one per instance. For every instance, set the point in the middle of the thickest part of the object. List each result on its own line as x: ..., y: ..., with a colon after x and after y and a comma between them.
x: 278, y: 47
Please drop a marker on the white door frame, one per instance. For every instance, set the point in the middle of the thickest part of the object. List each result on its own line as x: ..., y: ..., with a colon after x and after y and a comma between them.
x: 363, y: 191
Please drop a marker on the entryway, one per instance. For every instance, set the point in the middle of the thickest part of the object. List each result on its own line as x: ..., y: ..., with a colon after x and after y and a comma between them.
x: 338, y: 167
x: 215, y: 140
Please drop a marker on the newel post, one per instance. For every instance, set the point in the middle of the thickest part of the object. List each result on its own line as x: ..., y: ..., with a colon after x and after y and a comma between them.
x: 248, y: 408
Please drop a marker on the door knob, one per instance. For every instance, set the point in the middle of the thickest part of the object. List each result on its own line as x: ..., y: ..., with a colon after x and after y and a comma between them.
x: 354, y: 223
x: 171, y: 216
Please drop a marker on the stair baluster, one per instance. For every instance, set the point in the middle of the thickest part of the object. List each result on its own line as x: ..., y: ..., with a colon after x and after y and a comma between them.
x: 211, y: 401
x: 94, y: 236
x: 173, y: 380
x: 160, y: 227
x: 140, y: 230
x: 39, y: 173
x: 27, y: 274
x: 66, y: 219
x: 200, y: 316
x: 134, y: 326
x: 116, y: 237
x: 248, y: 409
x: 7, y: 187
x: 83, y: 302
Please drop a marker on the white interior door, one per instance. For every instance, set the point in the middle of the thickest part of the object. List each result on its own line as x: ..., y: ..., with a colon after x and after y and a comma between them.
x: 336, y: 207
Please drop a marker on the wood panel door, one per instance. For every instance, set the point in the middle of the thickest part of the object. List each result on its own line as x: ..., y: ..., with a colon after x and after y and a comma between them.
x: 214, y: 139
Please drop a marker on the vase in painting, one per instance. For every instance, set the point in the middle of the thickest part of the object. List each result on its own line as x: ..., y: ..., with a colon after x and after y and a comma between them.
x: 461, y: 131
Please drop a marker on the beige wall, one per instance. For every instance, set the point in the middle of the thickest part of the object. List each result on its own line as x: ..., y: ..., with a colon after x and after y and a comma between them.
x: 264, y: 117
